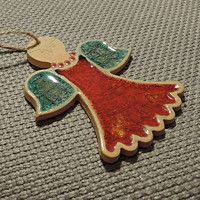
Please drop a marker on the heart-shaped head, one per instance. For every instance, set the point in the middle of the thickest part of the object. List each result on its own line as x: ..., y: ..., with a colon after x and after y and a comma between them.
x: 49, y: 51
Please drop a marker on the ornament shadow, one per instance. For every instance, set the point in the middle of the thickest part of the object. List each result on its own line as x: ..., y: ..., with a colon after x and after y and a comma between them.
x: 117, y: 165
x: 126, y: 67
x: 9, y: 66
x: 129, y: 159
x: 22, y: 61
x: 59, y: 117
x: 51, y: 120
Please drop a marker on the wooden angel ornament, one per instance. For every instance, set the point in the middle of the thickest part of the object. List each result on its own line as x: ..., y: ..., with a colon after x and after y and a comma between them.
x: 125, y: 113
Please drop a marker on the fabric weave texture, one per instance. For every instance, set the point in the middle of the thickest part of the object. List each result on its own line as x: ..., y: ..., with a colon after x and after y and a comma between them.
x: 58, y: 158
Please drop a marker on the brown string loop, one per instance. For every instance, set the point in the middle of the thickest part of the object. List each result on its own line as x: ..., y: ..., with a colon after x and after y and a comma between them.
x: 14, y: 48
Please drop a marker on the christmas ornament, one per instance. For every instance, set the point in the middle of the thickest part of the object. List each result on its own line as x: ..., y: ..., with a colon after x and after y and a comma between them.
x: 125, y: 113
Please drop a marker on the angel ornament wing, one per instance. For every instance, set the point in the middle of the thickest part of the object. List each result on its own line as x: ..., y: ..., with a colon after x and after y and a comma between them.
x: 125, y: 113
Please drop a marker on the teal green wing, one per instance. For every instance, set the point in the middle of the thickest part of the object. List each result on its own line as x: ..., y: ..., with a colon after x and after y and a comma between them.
x: 104, y: 56
x: 49, y: 93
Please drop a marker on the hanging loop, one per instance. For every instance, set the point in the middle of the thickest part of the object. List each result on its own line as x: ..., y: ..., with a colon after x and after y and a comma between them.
x: 15, y: 48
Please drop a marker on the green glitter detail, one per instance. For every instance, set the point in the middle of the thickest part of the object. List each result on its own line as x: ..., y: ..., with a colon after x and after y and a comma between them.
x: 102, y: 55
x: 50, y: 90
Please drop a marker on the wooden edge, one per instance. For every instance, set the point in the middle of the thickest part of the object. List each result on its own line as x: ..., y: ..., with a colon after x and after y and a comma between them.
x: 120, y: 66
x: 37, y: 63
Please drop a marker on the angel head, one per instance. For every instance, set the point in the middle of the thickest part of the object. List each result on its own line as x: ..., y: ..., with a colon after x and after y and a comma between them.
x: 50, y: 53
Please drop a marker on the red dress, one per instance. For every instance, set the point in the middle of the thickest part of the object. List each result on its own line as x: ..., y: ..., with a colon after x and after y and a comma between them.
x: 124, y: 108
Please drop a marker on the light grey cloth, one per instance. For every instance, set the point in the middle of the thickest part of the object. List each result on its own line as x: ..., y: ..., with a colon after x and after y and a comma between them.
x: 59, y: 159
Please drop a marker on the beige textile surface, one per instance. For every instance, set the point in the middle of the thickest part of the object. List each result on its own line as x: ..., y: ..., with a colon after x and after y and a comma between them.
x: 59, y: 159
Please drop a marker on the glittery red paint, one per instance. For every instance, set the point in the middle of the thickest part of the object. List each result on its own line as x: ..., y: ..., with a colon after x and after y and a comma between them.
x: 123, y: 107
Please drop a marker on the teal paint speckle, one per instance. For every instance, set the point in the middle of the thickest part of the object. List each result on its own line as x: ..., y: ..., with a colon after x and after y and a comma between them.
x: 102, y: 54
x: 50, y: 90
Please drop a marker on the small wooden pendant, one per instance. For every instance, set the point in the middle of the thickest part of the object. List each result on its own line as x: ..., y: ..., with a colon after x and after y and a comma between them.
x: 124, y: 113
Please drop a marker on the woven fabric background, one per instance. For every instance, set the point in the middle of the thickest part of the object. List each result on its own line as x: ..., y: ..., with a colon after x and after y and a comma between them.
x: 59, y: 159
